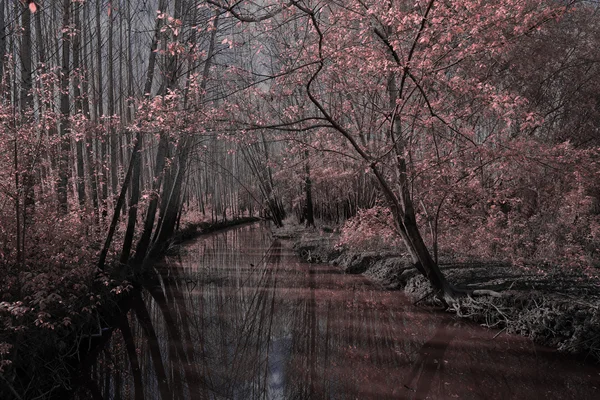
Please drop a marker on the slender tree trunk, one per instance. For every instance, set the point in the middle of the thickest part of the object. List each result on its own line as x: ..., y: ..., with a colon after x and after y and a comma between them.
x: 133, y: 203
x: 144, y: 241
x: 167, y: 184
x: 163, y: 146
x: 85, y: 73
x: 403, y: 208
x: 102, y: 152
x: 65, y: 145
x: 45, y: 106
x: 117, y: 211
x: 309, y: 209
x: 17, y: 202
x: 121, y: 95
x: 152, y: 58
x: 112, y: 137
x: 99, y: 61
x: 169, y: 218
x: 130, y: 78
x: 26, y: 108
x: 87, y: 110
x: 3, y: 37
x: 26, y: 97
x: 79, y: 141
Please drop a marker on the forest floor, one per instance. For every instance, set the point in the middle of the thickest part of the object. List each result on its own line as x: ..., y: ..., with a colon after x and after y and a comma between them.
x: 554, y: 306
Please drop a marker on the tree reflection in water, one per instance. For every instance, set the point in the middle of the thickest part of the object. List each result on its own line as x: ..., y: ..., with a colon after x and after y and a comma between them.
x: 238, y: 316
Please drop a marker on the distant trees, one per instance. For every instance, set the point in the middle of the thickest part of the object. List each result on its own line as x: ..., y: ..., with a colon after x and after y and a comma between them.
x: 85, y: 98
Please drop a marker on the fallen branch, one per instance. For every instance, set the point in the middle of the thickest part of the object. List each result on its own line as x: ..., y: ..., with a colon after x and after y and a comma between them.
x: 498, y: 334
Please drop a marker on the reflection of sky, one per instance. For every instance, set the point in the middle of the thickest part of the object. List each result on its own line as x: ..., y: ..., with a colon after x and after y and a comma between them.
x: 279, y: 352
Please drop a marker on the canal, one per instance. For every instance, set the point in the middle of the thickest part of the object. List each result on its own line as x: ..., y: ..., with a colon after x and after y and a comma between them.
x: 237, y: 315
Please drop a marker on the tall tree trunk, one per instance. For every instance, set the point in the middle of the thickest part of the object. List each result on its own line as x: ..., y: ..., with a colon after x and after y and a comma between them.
x: 167, y: 184
x: 112, y: 137
x: 102, y: 152
x: 144, y: 241
x: 152, y: 57
x: 163, y: 146
x: 26, y: 96
x: 99, y: 61
x: 65, y: 145
x: 85, y: 73
x: 45, y: 105
x: 26, y: 108
x: 3, y: 37
x: 309, y: 215
x: 130, y: 78
x: 87, y: 111
x: 117, y: 211
x: 403, y: 208
x: 171, y: 209
x: 79, y: 141
x: 133, y: 203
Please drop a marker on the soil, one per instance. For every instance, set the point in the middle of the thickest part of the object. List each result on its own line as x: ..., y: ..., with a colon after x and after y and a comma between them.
x: 554, y: 306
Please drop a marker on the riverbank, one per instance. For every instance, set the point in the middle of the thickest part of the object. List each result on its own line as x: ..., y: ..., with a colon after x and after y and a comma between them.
x: 555, y: 307
x: 51, y: 330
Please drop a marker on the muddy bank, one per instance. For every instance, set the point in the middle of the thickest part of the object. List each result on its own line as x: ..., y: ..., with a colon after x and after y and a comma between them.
x: 554, y: 306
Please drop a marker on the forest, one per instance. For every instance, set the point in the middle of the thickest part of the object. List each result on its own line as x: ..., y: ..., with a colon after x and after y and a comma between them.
x: 442, y: 128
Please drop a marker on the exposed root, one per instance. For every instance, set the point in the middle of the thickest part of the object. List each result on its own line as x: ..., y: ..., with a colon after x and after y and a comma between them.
x: 453, y: 297
x: 423, y: 298
x: 485, y: 292
x: 483, y: 311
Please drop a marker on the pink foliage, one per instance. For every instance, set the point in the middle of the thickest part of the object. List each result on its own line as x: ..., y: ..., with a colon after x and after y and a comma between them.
x: 370, y: 229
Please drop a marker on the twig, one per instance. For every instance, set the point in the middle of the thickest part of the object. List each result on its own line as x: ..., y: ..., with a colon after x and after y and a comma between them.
x: 423, y: 298
x: 498, y: 334
x: 12, y: 389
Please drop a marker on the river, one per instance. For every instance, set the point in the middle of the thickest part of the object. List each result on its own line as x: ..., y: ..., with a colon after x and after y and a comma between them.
x: 237, y: 315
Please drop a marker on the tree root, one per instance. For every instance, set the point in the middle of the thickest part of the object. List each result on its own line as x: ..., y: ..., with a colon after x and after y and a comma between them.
x: 423, y: 298
x: 486, y: 292
x: 452, y: 296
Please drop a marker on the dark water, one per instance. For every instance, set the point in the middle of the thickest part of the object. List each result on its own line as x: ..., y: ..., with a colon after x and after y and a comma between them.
x: 238, y: 316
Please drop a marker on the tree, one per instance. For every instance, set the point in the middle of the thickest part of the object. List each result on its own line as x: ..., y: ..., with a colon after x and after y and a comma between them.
x: 65, y: 107
x: 78, y: 97
x: 419, y: 60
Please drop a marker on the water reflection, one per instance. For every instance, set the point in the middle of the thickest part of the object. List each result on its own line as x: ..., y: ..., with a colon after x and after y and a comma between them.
x: 238, y: 316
